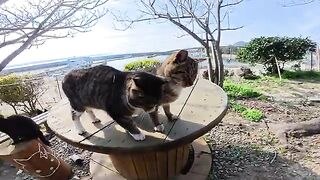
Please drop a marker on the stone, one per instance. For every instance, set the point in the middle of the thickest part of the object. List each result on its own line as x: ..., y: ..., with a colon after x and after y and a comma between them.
x: 77, y: 159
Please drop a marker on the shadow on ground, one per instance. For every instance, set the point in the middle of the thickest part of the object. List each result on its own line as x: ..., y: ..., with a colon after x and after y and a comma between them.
x: 248, y: 163
x: 243, y: 150
x: 7, y: 172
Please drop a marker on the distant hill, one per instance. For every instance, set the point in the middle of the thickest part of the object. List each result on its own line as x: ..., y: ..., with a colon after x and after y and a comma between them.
x: 240, y: 43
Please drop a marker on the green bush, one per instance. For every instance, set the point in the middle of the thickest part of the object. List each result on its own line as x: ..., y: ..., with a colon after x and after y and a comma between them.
x: 239, y: 91
x: 263, y: 50
x: 250, y: 114
x: 254, y: 115
x: 21, y: 92
x: 144, y: 65
x: 301, y: 75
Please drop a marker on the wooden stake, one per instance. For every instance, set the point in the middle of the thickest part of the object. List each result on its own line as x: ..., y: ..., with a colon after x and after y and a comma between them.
x: 278, y: 68
x: 318, y: 57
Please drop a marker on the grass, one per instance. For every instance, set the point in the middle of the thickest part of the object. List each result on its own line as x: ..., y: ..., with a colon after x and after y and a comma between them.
x: 307, y: 75
x: 251, y: 114
x: 238, y: 107
x: 240, y: 90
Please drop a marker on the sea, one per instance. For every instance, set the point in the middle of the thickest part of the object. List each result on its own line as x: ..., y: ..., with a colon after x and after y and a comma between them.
x: 59, y: 67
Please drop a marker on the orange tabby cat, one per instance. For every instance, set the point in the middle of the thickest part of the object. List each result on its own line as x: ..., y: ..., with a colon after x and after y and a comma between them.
x: 181, y: 71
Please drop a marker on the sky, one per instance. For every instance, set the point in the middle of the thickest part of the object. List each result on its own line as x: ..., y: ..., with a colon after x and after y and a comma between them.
x: 259, y: 18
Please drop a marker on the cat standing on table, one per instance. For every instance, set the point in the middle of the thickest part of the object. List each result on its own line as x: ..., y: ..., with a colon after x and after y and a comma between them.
x: 181, y: 72
x: 119, y: 93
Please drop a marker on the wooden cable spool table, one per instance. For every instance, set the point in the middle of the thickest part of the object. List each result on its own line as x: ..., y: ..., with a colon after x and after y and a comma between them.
x: 160, y: 155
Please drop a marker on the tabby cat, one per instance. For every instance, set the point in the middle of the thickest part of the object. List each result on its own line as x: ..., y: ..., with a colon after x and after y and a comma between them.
x: 21, y: 128
x: 119, y: 93
x: 181, y: 71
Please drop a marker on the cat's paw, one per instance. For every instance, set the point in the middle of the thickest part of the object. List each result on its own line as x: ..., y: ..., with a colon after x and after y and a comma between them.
x: 81, y: 133
x: 138, y: 137
x: 173, y: 117
x: 96, y: 120
x: 159, y: 128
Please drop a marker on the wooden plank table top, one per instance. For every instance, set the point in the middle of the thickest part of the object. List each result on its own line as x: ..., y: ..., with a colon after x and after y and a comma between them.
x: 198, y: 112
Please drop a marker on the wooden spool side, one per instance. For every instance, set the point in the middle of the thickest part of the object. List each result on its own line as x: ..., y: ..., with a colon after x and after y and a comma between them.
x: 36, y: 158
x: 152, y: 165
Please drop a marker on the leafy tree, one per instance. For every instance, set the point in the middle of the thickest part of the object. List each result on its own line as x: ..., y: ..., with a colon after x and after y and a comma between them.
x: 266, y: 50
x: 21, y: 92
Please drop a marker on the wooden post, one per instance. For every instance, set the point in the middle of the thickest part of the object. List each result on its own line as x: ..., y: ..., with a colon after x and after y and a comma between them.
x: 318, y: 57
x: 58, y: 87
x: 311, y: 60
x: 37, y: 159
x: 279, y: 73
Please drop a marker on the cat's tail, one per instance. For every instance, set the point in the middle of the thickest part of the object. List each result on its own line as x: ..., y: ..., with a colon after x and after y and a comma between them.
x: 44, y: 139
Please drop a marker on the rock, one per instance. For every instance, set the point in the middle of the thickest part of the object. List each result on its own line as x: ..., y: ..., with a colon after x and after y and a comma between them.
x: 228, y: 72
x: 245, y: 72
x: 78, y: 159
x: 205, y: 75
x: 75, y: 178
x: 19, y: 172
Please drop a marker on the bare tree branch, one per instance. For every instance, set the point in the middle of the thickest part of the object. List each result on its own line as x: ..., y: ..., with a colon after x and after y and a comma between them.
x: 32, y: 22
x: 192, y: 17
x: 231, y: 29
x: 231, y: 4
x: 299, y: 3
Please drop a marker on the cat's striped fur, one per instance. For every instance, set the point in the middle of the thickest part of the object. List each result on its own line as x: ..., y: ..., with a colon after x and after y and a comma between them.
x: 118, y: 93
x: 181, y: 71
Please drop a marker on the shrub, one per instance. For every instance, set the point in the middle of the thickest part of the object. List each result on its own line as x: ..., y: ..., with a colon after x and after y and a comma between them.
x: 240, y: 91
x: 264, y: 49
x: 144, y: 65
x: 238, y: 107
x: 301, y: 75
x: 254, y: 115
x: 250, y: 114
x: 21, y: 92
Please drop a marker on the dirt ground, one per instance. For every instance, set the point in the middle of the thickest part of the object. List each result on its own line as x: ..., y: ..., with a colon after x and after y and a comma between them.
x: 247, y: 150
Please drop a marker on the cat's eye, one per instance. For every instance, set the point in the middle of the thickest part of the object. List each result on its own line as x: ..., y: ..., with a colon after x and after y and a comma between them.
x: 51, y: 168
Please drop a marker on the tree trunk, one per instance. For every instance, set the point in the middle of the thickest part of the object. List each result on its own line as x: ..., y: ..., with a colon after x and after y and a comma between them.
x: 306, y: 128
x: 221, y: 67
x: 217, y: 45
x: 210, y: 69
x: 15, y: 53
x: 27, y: 43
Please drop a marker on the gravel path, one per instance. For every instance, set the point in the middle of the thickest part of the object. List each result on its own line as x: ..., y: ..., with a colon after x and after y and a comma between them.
x: 246, y: 150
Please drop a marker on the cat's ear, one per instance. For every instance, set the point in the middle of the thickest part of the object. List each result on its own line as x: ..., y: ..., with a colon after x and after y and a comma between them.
x: 181, y: 56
